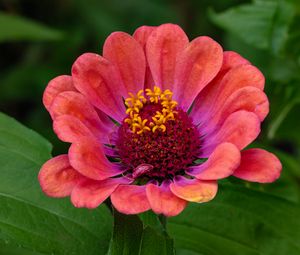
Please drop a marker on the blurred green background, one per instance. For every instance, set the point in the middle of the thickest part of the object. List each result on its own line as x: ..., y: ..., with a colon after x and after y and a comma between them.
x: 41, y: 39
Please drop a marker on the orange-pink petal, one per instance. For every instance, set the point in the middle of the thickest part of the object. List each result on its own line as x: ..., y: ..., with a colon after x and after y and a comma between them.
x: 249, y: 98
x: 128, y: 56
x: 163, y: 201
x: 196, y: 66
x: 163, y: 47
x: 141, y: 35
x: 221, y: 163
x: 240, y: 128
x: 76, y: 105
x: 218, y: 91
x: 55, y: 86
x: 258, y: 165
x: 57, y: 177
x: 88, y: 158
x: 130, y: 199
x: 194, y: 190
x: 100, y: 82
x: 70, y: 129
x: 90, y: 193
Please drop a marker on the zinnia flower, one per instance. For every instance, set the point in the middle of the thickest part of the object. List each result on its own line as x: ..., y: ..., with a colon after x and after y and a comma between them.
x: 155, y: 122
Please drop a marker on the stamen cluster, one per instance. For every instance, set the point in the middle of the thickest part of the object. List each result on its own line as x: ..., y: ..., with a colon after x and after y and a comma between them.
x: 164, y: 113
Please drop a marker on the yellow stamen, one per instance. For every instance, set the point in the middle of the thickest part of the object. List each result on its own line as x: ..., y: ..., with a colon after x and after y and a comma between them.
x: 135, y: 104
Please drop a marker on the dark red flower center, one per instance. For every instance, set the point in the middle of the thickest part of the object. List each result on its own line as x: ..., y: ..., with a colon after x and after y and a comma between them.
x: 163, y: 146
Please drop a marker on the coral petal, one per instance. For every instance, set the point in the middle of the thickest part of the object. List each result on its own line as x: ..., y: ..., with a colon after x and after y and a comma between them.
x: 220, y: 164
x: 232, y: 59
x: 128, y: 56
x: 70, y: 129
x: 216, y: 93
x: 250, y: 99
x: 163, y: 201
x: 76, y: 105
x: 240, y: 128
x: 164, y: 45
x: 88, y: 158
x: 57, y: 178
x: 141, y: 35
x: 198, y: 64
x: 56, y: 86
x: 90, y: 193
x: 130, y: 199
x: 100, y: 82
x: 258, y: 165
x: 194, y: 190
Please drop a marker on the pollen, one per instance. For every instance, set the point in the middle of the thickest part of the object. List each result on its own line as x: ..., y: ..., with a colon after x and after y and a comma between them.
x: 164, y: 110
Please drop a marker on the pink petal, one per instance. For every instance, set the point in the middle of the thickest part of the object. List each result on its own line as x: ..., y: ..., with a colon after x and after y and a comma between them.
x: 130, y: 199
x: 250, y: 99
x: 198, y: 64
x: 164, y: 45
x: 76, y: 105
x: 70, y: 129
x: 223, y: 87
x: 57, y: 178
x: 163, y: 201
x: 100, y: 82
x: 129, y: 58
x: 220, y: 164
x: 258, y: 165
x: 141, y: 35
x: 88, y: 158
x: 240, y: 128
x: 91, y: 193
x: 194, y: 190
x: 232, y: 59
x: 55, y: 86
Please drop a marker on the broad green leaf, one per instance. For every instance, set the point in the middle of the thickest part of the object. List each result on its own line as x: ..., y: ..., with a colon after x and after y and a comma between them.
x: 15, y: 28
x: 30, y: 219
x: 132, y: 237
x: 263, y: 23
x: 238, y: 221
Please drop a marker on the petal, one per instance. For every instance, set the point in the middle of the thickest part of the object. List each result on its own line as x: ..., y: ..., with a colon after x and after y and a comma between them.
x: 250, y: 99
x: 194, y: 190
x: 57, y: 178
x: 220, y: 164
x: 130, y: 199
x: 141, y: 35
x: 88, y: 158
x: 163, y: 201
x: 258, y: 165
x: 70, y: 129
x: 55, y: 86
x: 223, y: 87
x: 232, y: 59
x: 240, y: 128
x: 100, y: 82
x: 76, y: 105
x: 90, y: 193
x: 164, y: 45
x: 198, y: 64
x: 128, y: 56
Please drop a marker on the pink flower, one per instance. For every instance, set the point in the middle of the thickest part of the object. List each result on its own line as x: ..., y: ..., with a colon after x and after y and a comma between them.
x: 141, y: 118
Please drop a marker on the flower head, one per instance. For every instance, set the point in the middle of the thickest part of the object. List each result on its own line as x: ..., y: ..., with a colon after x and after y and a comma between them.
x: 155, y: 122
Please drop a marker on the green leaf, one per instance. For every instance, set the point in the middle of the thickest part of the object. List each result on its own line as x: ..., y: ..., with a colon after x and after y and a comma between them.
x: 132, y: 237
x: 263, y: 24
x: 30, y: 219
x: 238, y: 221
x: 15, y: 28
